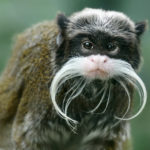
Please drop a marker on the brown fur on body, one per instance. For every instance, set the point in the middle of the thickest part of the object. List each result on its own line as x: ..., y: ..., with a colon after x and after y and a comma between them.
x: 26, y: 111
x: 26, y: 79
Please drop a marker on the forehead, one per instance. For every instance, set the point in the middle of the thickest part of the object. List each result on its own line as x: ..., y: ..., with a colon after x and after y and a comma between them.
x: 111, y: 22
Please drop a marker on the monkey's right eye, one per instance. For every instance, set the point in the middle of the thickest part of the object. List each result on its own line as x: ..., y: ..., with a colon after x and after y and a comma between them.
x: 87, y: 45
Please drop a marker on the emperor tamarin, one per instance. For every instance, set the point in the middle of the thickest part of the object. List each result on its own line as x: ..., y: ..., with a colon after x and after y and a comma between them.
x: 69, y: 84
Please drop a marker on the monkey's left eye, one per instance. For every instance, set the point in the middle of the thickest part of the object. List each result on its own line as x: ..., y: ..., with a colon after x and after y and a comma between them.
x: 87, y: 45
x: 113, y: 48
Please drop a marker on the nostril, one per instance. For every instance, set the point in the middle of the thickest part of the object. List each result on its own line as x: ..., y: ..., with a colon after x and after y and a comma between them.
x: 92, y: 59
x: 105, y: 60
x: 98, y: 59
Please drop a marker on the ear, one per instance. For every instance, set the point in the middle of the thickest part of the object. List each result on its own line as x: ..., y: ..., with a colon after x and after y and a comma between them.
x: 62, y: 22
x: 140, y: 27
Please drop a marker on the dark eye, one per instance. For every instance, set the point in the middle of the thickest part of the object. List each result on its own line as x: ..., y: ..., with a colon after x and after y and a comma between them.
x: 87, y: 45
x: 112, y: 48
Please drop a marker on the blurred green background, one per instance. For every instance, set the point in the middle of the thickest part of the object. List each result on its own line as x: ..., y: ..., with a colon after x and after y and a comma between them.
x: 16, y: 15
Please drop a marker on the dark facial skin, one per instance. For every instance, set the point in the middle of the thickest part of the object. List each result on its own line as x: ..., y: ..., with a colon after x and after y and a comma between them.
x: 102, y: 42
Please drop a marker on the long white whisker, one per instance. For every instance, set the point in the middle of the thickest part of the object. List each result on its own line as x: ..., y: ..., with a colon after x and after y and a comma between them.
x: 141, y: 95
x: 74, y: 94
x: 70, y: 70
x: 69, y: 101
x: 108, y: 99
x: 100, y: 102
x: 97, y: 94
x: 134, y: 83
x: 129, y: 100
x: 125, y: 70
x: 69, y: 91
x: 65, y: 78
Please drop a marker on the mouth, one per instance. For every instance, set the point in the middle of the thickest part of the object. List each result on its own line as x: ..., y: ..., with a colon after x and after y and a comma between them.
x: 97, y: 67
x: 97, y: 74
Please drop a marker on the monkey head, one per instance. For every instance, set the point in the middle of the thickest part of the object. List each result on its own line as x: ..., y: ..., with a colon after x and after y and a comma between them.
x: 97, y: 46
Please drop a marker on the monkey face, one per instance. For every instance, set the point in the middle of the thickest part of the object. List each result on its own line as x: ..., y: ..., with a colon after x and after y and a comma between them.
x: 97, y: 45
x: 98, y: 32
x: 99, y: 36
x: 104, y: 44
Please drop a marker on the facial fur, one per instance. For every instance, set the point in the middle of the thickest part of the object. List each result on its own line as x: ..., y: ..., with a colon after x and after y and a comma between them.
x: 97, y: 45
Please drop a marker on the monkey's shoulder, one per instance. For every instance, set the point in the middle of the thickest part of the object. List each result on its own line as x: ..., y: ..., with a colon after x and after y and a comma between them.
x: 29, y: 66
x: 33, y: 46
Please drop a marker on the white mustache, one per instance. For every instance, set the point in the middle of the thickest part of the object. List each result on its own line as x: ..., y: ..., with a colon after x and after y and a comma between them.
x: 73, y: 68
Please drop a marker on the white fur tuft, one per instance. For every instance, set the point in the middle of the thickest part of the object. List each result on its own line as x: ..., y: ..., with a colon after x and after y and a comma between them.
x: 75, y: 68
x: 70, y: 70
x: 125, y: 70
